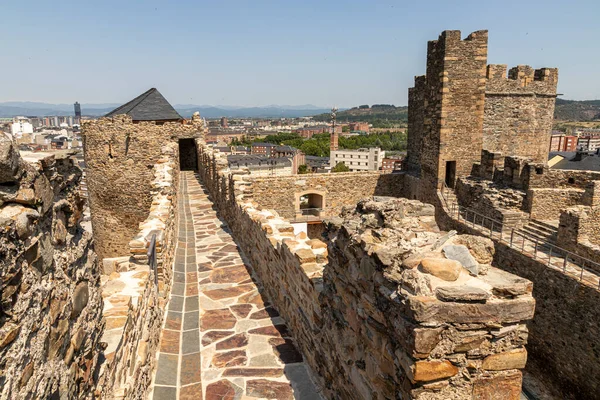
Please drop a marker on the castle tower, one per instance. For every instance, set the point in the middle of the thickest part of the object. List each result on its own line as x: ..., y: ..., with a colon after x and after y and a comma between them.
x: 453, y: 95
x: 519, y: 111
x: 120, y: 151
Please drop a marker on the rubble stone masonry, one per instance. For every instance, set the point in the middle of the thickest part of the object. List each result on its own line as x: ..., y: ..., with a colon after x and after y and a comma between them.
x: 563, y: 344
x: 454, y: 105
x: 384, y: 309
x: 51, y: 315
x: 519, y: 111
x: 134, y: 305
x: 119, y: 157
x: 336, y: 189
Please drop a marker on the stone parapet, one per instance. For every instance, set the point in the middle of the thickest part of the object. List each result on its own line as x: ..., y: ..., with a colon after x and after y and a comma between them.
x: 51, y: 319
x: 134, y: 305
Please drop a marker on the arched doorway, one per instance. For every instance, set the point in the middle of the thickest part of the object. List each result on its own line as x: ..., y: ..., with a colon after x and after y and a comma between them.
x: 310, y: 203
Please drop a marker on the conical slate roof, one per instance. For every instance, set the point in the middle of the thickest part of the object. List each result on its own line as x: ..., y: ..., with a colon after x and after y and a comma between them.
x: 149, y: 106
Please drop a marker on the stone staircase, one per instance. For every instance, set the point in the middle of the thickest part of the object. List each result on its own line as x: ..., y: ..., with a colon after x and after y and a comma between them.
x: 544, y: 231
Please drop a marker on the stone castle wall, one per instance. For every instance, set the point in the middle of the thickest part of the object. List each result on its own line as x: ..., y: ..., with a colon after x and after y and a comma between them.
x: 369, y: 324
x: 119, y: 157
x: 416, y: 108
x: 51, y: 315
x: 338, y: 189
x: 578, y: 230
x: 134, y: 305
x: 547, y: 204
x: 519, y: 111
x: 563, y: 342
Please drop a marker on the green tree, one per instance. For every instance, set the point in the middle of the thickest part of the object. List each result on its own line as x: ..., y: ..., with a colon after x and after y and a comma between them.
x: 303, y: 169
x: 340, y: 167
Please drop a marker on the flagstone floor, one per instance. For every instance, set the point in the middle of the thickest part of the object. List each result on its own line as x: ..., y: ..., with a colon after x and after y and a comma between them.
x: 221, y: 339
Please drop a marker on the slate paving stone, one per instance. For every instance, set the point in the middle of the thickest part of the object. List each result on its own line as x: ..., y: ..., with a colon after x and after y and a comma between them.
x: 173, y: 320
x: 164, y: 393
x: 191, y: 303
x: 166, y: 371
x: 191, y: 320
x: 178, y: 289
x: 190, y: 369
x: 176, y: 303
x: 190, y: 342
x: 191, y: 392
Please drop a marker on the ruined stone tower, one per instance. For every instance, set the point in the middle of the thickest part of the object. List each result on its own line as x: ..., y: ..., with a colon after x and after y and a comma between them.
x: 120, y: 151
x: 461, y: 107
x: 451, y: 100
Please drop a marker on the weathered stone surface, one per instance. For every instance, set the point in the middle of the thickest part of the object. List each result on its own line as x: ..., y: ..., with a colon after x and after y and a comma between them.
x: 425, y: 371
x: 429, y: 309
x: 499, y: 387
x: 448, y: 270
x: 463, y: 256
x: 239, y: 340
x: 461, y: 293
x: 80, y: 298
x: 9, y: 161
x: 513, y: 359
x: 217, y: 319
x: 264, y: 388
x: 481, y: 248
x: 229, y: 359
x: 223, y: 390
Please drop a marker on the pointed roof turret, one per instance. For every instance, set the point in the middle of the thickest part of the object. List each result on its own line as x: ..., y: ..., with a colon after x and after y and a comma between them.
x: 149, y: 106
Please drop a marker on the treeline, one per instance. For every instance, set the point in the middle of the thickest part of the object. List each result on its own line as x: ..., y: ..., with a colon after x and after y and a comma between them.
x: 318, y: 145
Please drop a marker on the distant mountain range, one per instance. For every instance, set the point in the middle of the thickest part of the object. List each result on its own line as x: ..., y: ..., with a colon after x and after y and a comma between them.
x: 11, y: 109
x: 570, y: 110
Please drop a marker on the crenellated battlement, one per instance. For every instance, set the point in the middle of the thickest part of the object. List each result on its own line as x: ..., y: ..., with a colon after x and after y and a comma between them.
x: 542, y: 80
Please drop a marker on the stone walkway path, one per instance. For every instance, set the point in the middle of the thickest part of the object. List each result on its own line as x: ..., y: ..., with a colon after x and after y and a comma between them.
x: 221, y: 339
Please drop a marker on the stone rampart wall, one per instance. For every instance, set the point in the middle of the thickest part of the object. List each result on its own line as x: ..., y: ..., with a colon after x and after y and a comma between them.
x: 563, y: 342
x: 119, y: 156
x: 579, y: 232
x: 134, y: 304
x: 537, y: 176
x: 519, y: 111
x: 51, y: 310
x: 338, y: 189
x: 547, y: 204
x: 369, y: 325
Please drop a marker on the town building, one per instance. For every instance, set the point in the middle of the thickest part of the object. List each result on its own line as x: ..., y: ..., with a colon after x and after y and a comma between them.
x: 391, y: 163
x: 562, y: 142
x: 358, y: 160
x: 260, y: 165
x: 588, y: 142
x: 263, y: 149
x: 359, y: 126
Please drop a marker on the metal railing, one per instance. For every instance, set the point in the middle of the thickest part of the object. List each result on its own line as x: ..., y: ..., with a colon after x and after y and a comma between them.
x: 152, y: 261
x: 553, y: 256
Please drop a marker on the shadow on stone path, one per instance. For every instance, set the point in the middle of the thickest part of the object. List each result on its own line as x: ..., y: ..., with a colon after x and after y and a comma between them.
x: 221, y: 339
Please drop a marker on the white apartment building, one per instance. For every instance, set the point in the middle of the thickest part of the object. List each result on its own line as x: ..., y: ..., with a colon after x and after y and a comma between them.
x: 358, y: 160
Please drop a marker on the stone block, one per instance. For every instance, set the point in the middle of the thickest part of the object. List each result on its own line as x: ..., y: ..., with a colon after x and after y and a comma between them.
x: 424, y: 371
x: 512, y: 359
x: 448, y: 270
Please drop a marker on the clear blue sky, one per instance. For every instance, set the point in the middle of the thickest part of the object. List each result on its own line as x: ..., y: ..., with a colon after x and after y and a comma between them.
x: 256, y: 52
